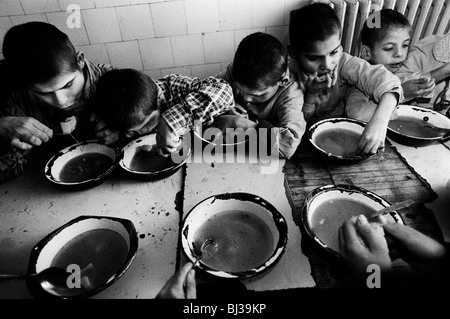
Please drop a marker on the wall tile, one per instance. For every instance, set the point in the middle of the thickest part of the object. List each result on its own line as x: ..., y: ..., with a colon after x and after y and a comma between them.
x: 28, y: 18
x: 95, y: 53
x: 110, y: 3
x: 101, y: 25
x: 154, y: 74
x: 10, y: 7
x: 169, y: 18
x: 135, y: 22
x: 156, y: 53
x: 235, y: 14
x: 39, y: 6
x: 281, y: 33
x: 144, y: 1
x: 125, y: 54
x: 83, y: 4
x: 5, y: 25
x: 78, y: 36
x: 219, y: 46
x: 267, y: 13
x: 202, y: 16
x: 240, y: 34
x: 187, y: 49
x: 181, y: 70
x: 205, y: 70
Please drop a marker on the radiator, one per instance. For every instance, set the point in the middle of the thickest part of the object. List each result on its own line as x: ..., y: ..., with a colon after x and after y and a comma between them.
x: 426, y: 16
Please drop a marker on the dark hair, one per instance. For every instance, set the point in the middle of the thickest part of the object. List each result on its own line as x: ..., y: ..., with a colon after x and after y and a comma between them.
x: 39, y: 52
x: 314, y: 22
x: 124, y: 97
x: 259, y: 59
x: 389, y: 19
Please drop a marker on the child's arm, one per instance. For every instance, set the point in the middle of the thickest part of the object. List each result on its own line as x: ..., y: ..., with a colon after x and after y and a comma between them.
x: 199, y: 101
x: 375, y: 132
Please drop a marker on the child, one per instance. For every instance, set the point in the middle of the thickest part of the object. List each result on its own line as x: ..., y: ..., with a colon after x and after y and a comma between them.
x: 429, y: 58
x: 326, y: 73
x: 388, y: 46
x: 264, y: 88
x: 132, y: 102
x: 51, y: 96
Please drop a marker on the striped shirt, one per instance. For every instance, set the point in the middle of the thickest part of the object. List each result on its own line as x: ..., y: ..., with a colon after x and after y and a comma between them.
x: 186, y: 102
x: 24, y: 104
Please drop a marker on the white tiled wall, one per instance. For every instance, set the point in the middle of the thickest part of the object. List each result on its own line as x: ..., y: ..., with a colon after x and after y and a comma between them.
x: 191, y: 37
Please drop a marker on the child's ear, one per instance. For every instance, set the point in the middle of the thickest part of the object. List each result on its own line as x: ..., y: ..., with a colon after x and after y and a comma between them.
x: 365, y: 53
x: 80, y: 59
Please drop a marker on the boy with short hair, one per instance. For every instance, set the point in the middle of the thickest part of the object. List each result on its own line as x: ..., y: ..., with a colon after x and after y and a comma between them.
x: 326, y: 73
x: 54, y: 87
x: 132, y: 102
x: 387, y: 45
x: 266, y: 90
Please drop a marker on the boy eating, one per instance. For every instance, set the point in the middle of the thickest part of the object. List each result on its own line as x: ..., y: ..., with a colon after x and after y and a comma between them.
x: 53, y: 87
x: 326, y: 74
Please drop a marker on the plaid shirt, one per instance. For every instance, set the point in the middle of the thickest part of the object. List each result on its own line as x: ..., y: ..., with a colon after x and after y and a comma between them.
x: 187, y: 102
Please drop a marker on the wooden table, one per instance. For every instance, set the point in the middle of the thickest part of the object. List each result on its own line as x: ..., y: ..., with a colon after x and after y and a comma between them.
x: 31, y: 207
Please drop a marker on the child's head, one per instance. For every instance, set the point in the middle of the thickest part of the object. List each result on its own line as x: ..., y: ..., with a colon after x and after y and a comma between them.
x: 315, y: 38
x: 259, y: 65
x: 127, y: 99
x: 387, y: 44
x: 47, y: 62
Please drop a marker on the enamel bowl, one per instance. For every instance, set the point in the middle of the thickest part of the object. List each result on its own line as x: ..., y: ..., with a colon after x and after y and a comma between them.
x: 249, y: 235
x: 95, y: 250
x: 208, y: 134
x: 148, y: 164
x: 81, y: 165
x: 338, y: 138
x: 407, y: 128
x: 326, y: 208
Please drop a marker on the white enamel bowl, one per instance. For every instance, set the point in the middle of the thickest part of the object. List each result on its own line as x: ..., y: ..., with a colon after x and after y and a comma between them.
x: 56, y: 165
x: 330, y: 137
x: 96, y: 251
x: 163, y: 166
x: 250, y: 235
x: 418, y: 115
x: 326, y: 208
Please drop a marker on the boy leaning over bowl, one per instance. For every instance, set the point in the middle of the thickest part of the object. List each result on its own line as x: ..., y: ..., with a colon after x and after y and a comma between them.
x: 327, y: 74
x: 52, y: 86
x: 133, y: 103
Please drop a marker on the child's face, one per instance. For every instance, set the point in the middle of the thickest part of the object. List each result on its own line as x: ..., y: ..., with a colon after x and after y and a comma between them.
x: 322, y: 57
x: 62, y: 91
x: 392, y: 50
x: 146, y: 126
x: 245, y: 95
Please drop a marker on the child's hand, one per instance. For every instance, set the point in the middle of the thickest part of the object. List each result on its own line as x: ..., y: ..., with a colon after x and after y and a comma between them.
x: 24, y: 133
x: 316, y: 84
x: 166, y: 140
x: 418, y: 87
x: 222, y: 122
x: 101, y: 130
x: 239, y: 110
x: 372, y: 139
x: 362, y: 243
x: 181, y: 285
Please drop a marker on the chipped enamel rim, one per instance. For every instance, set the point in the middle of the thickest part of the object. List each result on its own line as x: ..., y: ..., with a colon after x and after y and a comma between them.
x: 197, y: 134
x: 434, y: 118
x: 45, y: 250
x: 130, y: 150
x: 333, y: 124
x: 323, y: 193
x: 56, y: 163
x: 228, y: 201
